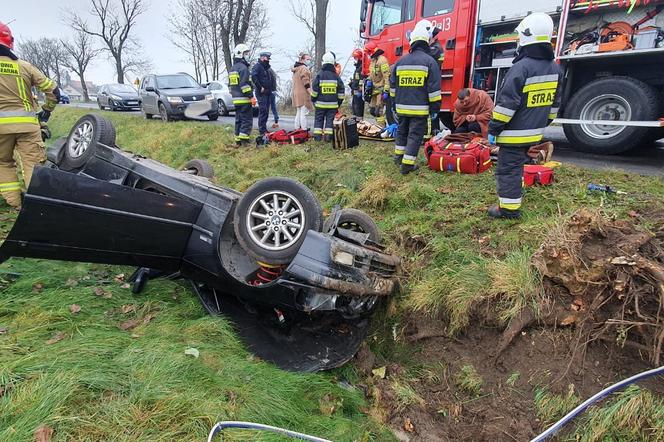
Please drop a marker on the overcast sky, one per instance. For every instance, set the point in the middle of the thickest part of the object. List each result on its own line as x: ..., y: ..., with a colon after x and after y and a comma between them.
x: 42, y: 18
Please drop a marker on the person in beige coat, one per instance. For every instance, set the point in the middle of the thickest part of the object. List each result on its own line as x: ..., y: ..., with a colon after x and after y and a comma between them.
x: 302, y: 90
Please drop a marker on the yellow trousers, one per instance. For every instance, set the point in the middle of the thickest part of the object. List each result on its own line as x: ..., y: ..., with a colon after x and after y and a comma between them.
x: 30, y: 149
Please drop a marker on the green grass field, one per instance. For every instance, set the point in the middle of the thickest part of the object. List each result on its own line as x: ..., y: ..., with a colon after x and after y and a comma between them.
x: 117, y: 369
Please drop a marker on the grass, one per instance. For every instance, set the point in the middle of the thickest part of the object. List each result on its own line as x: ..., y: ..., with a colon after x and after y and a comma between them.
x: 550, y: 406
x: 100, y: 382
x: 468, y: 380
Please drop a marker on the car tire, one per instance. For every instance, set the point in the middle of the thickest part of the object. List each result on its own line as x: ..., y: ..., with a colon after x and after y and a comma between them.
x: 301, y: 210
x: 223, y: 110
x: 199, y: 168
x: 83, y: 138
x: 213, y: 117
x: 100, y: 106
x: 618, y: 95
x: 163, y: 113
x: 356, y: 221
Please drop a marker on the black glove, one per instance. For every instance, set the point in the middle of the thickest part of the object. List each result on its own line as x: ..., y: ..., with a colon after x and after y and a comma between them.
x: 43, y: 115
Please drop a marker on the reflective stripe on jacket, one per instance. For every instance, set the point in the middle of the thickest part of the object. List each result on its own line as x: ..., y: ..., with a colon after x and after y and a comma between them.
x: 328, y: 91
x: 239, y: 83
x: 527, y: 102
x: 18, y: 108
x: 415, y: 84
x: 379, y: 73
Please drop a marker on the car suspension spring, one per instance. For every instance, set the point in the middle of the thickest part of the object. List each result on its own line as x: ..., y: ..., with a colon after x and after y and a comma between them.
x: 267, y: 273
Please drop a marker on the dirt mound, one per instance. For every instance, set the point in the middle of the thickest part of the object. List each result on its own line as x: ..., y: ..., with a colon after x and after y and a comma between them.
x: 607, y: 278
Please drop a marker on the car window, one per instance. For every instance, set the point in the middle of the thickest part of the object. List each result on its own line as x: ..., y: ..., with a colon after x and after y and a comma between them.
x: 409, y: 10
x: 385, y: 13
x: 147, y: 82
x: 176, y: 82
x: 121, y: 88
x: 437, y: 7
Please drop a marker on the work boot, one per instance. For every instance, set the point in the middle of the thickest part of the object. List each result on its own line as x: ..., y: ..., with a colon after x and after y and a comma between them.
x: 408, y: 168
x: 397, y: 159
x: 500, y: 213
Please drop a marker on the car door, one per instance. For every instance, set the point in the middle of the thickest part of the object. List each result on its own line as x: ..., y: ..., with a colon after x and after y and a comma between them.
x: 73, y: 217
x: 102, y: 96
x: 149, y: 98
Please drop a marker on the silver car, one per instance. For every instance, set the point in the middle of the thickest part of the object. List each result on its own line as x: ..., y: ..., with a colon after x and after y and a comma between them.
x: 224, y: 98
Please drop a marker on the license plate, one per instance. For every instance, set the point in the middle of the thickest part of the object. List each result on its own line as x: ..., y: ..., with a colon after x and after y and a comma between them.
x: 132, y: 103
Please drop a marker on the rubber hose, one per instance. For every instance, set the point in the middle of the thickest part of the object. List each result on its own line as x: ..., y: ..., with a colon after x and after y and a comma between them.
x: 597, y: 397
x: 252, y: 426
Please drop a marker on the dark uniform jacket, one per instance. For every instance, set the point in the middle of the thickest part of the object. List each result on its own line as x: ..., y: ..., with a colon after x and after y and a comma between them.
x: 262, y: 78
x: 528, y: 100
x: 328, y: 90
x: 415, y: 83
x: 239, y: 82
x: 357, y: 80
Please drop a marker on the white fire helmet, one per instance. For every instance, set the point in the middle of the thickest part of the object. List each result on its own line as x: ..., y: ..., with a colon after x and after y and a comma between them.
x: 536, y: 28
x: 329, y: 58
x: 240, y: 50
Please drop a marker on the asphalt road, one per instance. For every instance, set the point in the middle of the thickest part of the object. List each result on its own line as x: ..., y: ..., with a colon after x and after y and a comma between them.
x: 645, y: 160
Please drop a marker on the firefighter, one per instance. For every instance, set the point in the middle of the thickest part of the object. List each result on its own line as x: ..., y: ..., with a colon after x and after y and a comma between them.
x: 356, y: 84
x: 526, y: 104
x: 415, y: 90
x: 327, y: 93
x: 437, y: 51
x: 20, y: 130
x: 379, y: 74
x: 240, y: 87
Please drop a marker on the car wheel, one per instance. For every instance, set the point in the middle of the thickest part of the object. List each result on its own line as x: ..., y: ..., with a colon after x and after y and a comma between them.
x: 356, y: 221
x: 199, y: 168
x: 213, y: 117
x: 615, y: 98
x: 100, y: 106
x: 273, y: 217
x: 163, y: 113
x: 223, y: 110
x: 83, y: 138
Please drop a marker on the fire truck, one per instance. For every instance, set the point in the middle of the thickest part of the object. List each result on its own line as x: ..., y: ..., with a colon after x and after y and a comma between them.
x: 611, y: 51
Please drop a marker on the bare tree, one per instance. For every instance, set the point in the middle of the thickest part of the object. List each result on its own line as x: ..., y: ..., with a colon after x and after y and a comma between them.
x: 207, y: 30
x: 80, y: 53
x: 47, y: 55
x: 313, y: 15
x: 114, y: 21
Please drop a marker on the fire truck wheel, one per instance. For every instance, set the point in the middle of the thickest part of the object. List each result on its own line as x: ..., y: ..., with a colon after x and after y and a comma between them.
x: 613, y: 98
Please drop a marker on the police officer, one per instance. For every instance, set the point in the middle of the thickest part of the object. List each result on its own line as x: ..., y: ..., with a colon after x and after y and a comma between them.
x: 526, y: 104
x: 19, y: 120
x: 240, y: 87
x: 263, y: 84
x: 415, y: 89
x: 327, y: 93
x: 356, y: 84
x: 379, y: 75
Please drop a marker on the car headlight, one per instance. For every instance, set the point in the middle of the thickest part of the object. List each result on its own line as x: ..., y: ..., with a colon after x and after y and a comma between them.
x: 209, y: 97
x: 115, y: 97
x: 174, y: 99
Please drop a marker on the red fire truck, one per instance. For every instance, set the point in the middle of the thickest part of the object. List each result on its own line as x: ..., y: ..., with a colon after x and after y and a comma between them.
x: 612, y: 53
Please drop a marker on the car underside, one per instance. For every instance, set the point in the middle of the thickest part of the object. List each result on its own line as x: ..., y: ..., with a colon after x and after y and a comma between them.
x: 299, y: 290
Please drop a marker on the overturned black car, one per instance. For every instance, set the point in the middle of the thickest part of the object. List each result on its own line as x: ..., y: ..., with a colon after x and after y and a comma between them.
x: 299, y: 290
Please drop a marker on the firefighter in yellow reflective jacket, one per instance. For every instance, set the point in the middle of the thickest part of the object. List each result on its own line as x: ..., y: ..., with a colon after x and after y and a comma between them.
x: 415, y: 89
x: 19, y: 119
x: 379, y: 79
x: 525, y: 106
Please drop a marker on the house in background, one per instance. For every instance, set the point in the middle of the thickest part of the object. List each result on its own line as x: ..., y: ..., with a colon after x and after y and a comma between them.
x: 75, y: 91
